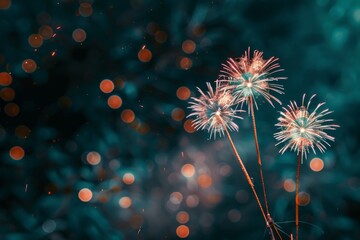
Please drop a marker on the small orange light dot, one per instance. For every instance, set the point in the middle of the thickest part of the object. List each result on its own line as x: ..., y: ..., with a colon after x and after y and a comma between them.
x: 176, y: 197
x: 144, y: 55
x: 188, y: 126
x: 192, y: 201
x: 182, y: 231
x: 185, y: 63
x: 114, y: 102
x: 35, y: 40
x: 188, y: 46
x: 85, y: 9
x: 93, y: 158
x: 183, y: 93
x: 22, y: 131
x: 29, y: 65
x: 289, y: 185
x: 12, y: 109
x: 85, y: 195
x: 177, y: 114
x: 128, y: 116
x: 303, y: 198
x: 182, y: 217
x: 5, y: 4
x: 79, y: 35
x: 7, y: 94
x: 188, y: 170
x: 316, y: 164
x: 5, y: 79
x: 128, y: 178
x: 125, y: 202
x: 160, y: 37
x: 106, y: 86
x: 46, y: 32
x: 204, y: 181
x: 17, y: 153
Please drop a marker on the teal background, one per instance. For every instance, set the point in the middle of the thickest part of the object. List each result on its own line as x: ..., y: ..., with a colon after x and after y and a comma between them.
x: 317, y: 43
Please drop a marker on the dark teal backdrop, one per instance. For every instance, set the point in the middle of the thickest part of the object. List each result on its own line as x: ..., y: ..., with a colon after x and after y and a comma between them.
x: 64, y: 115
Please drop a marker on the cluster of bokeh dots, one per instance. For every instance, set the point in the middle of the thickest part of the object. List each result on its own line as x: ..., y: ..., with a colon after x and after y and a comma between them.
x: 46, y: 32
x: 184, y: 62
x: 114, y: 101
x: 86, y: 194
x: 11, y: 109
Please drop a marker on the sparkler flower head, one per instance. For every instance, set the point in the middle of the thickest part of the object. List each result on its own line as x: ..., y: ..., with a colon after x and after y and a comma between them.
x: 248, y: 77
x: 301, y: 130
x: 213, y: 111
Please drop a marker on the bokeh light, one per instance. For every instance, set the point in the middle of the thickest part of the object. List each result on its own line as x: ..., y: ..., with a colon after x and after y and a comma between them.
x: 17, y: 153
x: 185, y: 63
x: 79, y: 35
x: 234, y: 215
x: 125, y: 202
x: 183, y: 93
x: 289, y: 185
x: 12, y: 109
x: 22, y: 131
x: 182, y: 231
x: 93, y: 158
x: 177, y: 114
x: 136, y: 221
x: 85, y: 9
x: 29, y: 65
x: 316, y: 164
x: 303, y: 198
x: 160, y: 37
x: 176, y: 197
x: 35, y: 40
x: 188, y: 46
x: 144, y: 55
x: 106, y: 86
x: 46, y: 32
x: 128, y: 116
x: 5, y: 4
x: 188, y: 170
x: 188, y: 126
x: 192, y: 201
x: 114, y: 102
x: 49, y: 226
x: 5, y: 79
x: 128, y: 178
x: 204, y: 180
x: 182, y: 217
x: 7, y: 94
x: 85, y: 195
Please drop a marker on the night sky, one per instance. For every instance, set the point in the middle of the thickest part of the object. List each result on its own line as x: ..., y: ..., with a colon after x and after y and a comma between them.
x: 95, y: 142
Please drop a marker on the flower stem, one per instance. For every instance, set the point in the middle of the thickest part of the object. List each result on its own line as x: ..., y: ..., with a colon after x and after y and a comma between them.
x: 260, y: 166
x: 258, y: 154
x: 247, y: 176
x: 297, y: 194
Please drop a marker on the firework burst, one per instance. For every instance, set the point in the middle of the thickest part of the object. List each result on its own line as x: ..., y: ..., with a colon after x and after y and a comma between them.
x: 213, y: 111
x: 249, y: 78
x: 301, y: 130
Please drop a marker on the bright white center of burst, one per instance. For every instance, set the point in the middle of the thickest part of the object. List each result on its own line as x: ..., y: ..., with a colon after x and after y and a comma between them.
x: 302, y: 130
x: 217, y: 113
x: 249, y: 84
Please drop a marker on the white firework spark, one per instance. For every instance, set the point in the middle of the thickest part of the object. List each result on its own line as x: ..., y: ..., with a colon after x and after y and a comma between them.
x: 301, y: 130
x: 248, y: 77
x: 213, y: 111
